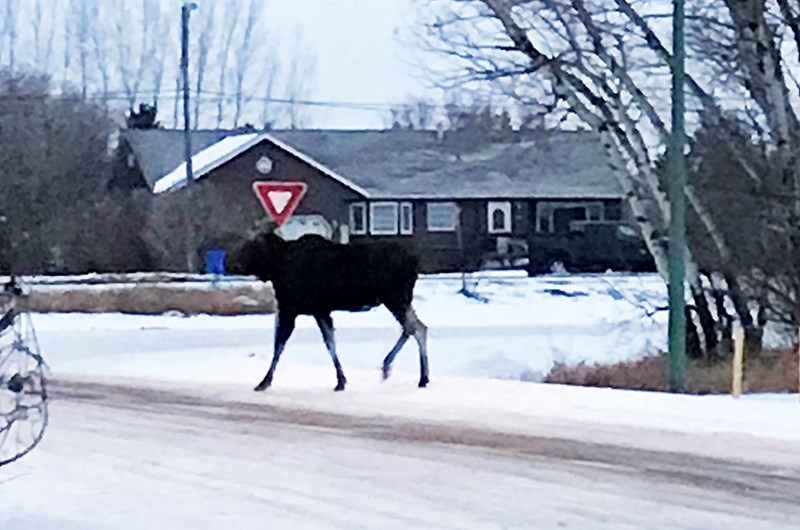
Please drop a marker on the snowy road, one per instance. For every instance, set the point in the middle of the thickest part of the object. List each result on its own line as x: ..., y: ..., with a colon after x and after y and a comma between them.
x: 130, y: 457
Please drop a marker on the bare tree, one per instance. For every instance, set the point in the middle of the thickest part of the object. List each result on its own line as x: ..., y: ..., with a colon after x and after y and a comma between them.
x: 126, y: 50
x: 417, y: 114
x: 204, y: 43
x: 765, y: 58
x: 124, y: 58
x: 298, y: 85
x: 759, y: 57
x: 48, y: 49
x: 11, y: 31
x: 229, y: 26
x: 151, y: 50
x: 67, y: 52
x: 176, y: 100
x: 589, y: 48
x: 81, y: 22
x: 100, y: 45
x: 244, y: 55
x: 269, y: 75
x: 601, y: 59
x: 160, y: 50
x: 36, y: 25
x: 59, y: 218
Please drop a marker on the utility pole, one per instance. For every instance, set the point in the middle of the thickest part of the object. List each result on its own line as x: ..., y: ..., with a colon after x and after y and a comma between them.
x: 677, y: 196
x: 189, y: 217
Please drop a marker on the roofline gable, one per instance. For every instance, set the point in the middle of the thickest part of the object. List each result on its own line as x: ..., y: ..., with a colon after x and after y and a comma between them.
x: 316, y: 165
x: 176, y: 179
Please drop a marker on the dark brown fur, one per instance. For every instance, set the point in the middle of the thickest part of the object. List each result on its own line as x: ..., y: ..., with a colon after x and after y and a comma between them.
x: 314, y: 276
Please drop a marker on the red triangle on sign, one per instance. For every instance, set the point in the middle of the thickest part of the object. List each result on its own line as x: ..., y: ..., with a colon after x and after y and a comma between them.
x: 279, y: 199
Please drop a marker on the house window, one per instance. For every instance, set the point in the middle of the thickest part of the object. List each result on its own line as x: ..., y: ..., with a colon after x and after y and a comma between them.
x: 499, y: 217
x: 542, y: 220
x: 406, y: 218
x: 358, y: 218
x: 383, y: 218
x: 594, y: 211
x: 441, y: 216
x: 557, y: 217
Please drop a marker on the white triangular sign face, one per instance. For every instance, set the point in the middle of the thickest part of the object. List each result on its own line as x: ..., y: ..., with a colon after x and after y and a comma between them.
x: 279, y: 199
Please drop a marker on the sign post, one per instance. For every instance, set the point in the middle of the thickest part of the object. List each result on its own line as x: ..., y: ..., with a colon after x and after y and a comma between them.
x: 279, y: 199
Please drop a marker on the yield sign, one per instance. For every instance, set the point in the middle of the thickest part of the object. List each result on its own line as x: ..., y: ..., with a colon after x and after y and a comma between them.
x: 279, y: 199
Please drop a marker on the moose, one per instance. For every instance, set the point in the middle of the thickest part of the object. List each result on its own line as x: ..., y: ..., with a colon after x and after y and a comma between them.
x: 315, y: 276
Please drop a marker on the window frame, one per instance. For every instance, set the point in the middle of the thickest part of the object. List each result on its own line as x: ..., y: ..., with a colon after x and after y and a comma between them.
x: 448, y: 228
x: 406, y: 230
x: 353, y: 207
x: 545, y: 211
x: 396, y: 223
x: 505, y: 207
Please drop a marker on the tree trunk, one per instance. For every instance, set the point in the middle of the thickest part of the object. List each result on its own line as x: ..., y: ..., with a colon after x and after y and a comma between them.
x: 753, y: 331
x: 694, y: 349
x: 706, y: 319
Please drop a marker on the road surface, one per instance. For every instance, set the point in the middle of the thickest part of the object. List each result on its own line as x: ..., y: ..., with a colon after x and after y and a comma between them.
x: 127, y: 457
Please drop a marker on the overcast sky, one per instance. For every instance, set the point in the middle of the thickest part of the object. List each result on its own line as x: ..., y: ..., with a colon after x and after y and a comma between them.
x: 358, y: 56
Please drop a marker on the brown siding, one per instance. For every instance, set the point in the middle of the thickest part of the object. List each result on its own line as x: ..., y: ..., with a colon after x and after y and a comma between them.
x: 227, y: 206
x: 446, y: 251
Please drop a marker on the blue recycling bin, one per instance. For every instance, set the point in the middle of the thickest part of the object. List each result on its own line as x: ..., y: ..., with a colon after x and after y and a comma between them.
x: 215, y: 261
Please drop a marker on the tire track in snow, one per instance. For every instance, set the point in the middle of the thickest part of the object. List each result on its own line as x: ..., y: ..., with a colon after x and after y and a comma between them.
x: 733, y: 477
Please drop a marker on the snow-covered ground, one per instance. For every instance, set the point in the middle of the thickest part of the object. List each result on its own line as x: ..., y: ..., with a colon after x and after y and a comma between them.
x: 139, y: 461
x: 475, y: 347
x: 154, y: 424
x: 520, y: 328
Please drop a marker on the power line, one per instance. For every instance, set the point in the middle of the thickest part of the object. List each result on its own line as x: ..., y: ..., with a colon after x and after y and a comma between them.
x: 208, y: 95
x: 120, y: 96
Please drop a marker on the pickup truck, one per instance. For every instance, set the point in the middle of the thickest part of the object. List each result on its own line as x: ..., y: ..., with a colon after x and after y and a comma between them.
x: 589, y: 246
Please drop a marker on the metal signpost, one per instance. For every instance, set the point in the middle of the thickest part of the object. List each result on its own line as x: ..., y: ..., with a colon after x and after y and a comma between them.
x: 677, y: 196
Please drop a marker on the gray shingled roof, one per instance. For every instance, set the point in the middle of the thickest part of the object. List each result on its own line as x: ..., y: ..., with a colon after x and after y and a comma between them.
x: 159, y: 151
x: 419, y: 164
x: 409, y: 164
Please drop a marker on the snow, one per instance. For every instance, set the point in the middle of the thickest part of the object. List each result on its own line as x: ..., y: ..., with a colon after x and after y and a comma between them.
x: 161, y: 464
x: 131, y: 469
x: 232, y: 146
x: 525, y: 326
x: 206, y: 160
x: 483, y: 356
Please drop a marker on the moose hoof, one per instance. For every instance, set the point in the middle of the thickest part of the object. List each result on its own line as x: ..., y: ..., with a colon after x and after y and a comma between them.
x: 339, y: 387
x: 261, y: 387
x: 385, y: 373
x: 423, y: 382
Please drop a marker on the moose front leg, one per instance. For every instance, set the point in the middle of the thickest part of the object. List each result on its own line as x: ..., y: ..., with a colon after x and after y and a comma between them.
x: 284, y: 326
x: 325, y: 323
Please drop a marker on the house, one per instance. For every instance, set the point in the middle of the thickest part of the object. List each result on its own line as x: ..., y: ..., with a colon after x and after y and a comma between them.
x: 459, y: 199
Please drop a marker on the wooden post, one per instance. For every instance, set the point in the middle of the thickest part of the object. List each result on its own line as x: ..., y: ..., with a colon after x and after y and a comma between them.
x: 798, y: 362
x: 738, y: 361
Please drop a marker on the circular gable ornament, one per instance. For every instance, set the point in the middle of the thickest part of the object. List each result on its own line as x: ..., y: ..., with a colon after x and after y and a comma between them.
x: 264, y: 165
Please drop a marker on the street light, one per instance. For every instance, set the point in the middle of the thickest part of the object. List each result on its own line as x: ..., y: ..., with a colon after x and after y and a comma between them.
x: 186, y: 9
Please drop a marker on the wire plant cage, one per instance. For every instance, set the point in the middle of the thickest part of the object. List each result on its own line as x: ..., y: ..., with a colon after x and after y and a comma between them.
x: 23, y: 393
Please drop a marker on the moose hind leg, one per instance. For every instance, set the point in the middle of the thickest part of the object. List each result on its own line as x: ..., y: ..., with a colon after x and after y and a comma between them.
x: 420, y: 332
x: 284, y: 326
x: 389, y: 359
x: 412, y: 326
x: 325, y: 323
